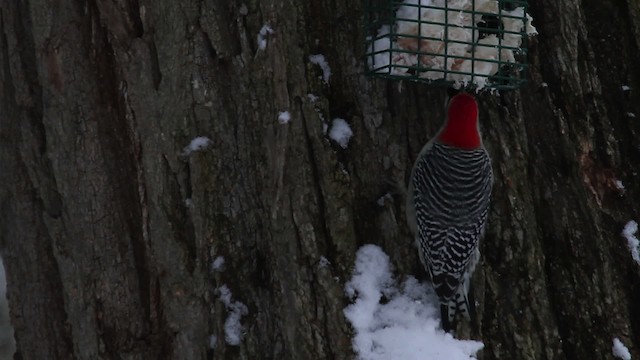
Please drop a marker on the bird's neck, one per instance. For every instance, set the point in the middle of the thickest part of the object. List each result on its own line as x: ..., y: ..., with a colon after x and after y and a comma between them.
x: 461, y: 135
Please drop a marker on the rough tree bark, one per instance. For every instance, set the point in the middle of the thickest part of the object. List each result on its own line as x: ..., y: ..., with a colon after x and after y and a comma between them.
x: 107, y: 259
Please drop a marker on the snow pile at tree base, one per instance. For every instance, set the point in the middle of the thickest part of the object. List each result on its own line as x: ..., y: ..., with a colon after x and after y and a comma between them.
x: 397, y: 321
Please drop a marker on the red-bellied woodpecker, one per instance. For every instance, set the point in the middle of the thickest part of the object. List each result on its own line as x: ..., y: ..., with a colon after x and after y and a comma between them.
x: 447, y: 205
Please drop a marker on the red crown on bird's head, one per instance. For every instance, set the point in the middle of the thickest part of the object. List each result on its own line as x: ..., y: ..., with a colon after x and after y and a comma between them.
x: 461, y: 128
x: 463, y: 107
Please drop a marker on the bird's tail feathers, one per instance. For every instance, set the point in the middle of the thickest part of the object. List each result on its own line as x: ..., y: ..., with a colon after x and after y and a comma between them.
x: 462, y: 302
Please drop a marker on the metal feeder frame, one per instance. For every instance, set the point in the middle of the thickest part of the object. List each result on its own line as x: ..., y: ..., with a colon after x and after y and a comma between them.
x: 510, y: 75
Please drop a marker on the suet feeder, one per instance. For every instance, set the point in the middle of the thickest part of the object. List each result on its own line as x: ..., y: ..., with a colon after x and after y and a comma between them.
x: 472, y: 44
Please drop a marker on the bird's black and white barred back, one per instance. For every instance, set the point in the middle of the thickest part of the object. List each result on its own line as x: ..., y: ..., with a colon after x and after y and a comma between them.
x: 451, y: 197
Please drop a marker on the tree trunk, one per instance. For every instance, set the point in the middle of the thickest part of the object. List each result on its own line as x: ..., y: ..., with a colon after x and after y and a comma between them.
x: 108, y: 228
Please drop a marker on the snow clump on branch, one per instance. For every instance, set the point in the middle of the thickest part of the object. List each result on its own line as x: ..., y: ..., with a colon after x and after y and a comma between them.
x: 263, y: 35
x: 198, y: 144
x: 620, y: 351
x: 284, y: 117
x: 324, y: 65
x: 629, y: 232
x: 340, y: 132
x: 233, y: 329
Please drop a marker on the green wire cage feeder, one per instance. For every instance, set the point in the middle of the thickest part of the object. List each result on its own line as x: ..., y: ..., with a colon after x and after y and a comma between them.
x: 477, y: 44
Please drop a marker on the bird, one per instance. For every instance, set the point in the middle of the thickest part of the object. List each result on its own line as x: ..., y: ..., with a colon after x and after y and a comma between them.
x: 448, y: 199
